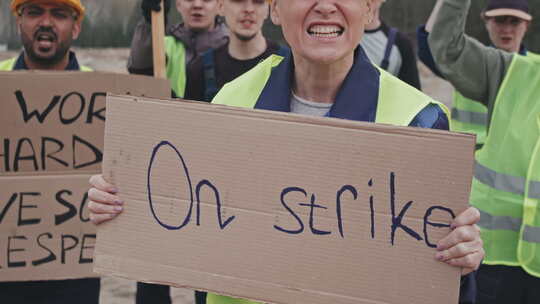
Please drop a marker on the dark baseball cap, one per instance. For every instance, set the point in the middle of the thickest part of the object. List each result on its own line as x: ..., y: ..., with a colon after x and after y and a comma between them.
x: 516, y: 8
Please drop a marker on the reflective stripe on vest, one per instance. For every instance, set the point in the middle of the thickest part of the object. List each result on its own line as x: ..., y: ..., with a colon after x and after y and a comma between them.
x: 506, y: 184
x: 470, y: 117
x: 502, y: 222
x: 398, y: 104
x: 176, y: 65
x: 530, y: 233
x: 9, y: 64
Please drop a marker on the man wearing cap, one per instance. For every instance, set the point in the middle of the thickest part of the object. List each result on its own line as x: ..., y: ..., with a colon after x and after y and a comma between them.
x: 507, y: 22
x: 47, y: 29
x: 506, y: 184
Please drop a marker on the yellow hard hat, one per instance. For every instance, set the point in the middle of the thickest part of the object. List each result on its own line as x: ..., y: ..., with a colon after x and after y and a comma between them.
x: 75, y: 4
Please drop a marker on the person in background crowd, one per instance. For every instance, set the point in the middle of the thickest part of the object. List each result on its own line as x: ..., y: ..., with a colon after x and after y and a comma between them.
x: 245, y: 49
x: 507, y: 22
x: 47, y: 29
x: 390, y: 49
x: 327, y: 74
x: 506, y: 184
x: 200, y: 31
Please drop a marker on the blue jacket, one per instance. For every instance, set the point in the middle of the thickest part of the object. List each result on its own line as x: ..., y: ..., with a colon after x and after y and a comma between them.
x: 73, y: 64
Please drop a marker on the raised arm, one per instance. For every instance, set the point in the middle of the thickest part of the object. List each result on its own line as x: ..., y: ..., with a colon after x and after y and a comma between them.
x: 140, y: 57
x: 475, y: 70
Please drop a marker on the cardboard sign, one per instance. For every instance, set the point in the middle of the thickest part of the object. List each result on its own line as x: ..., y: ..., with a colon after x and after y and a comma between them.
x: 51, y: 142
x: 281, y: 208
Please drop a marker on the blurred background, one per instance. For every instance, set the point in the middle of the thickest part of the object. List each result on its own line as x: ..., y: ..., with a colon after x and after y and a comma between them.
x: 110, y: 23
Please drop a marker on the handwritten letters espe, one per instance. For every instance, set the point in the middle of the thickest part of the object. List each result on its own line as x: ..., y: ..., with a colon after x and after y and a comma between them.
x: 51, y: 142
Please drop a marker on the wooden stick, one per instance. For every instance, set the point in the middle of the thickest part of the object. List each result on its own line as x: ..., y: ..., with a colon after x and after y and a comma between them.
x: 158, y: 42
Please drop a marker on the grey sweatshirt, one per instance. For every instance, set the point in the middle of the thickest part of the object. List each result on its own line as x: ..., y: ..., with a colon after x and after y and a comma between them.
x: 475, y: 70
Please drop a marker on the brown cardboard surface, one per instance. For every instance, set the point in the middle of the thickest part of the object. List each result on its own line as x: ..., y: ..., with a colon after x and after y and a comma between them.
x: 51, y: 142
x: 278, y: 207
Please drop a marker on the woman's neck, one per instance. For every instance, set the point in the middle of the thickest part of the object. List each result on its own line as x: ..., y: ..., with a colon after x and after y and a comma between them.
x: 320, y: 82
x: 375, y: 22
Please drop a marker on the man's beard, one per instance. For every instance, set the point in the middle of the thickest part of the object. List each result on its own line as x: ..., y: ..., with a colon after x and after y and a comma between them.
x: 245, y: 38
x: 58, y: 56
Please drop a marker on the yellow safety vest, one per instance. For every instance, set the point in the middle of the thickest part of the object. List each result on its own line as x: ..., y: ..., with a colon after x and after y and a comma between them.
x: 7, y: 65
x: 471, y: 116
x: 506, y: 185
x: 398, y: 104
x: 176, y: 65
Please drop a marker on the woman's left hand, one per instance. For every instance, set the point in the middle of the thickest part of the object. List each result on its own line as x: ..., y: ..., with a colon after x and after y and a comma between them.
x: 463, y: 246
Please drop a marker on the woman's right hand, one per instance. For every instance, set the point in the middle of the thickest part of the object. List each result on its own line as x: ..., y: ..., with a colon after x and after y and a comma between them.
x: 104, y: 203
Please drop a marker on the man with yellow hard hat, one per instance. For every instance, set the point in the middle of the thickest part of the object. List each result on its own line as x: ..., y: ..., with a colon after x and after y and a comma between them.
x: 47, y: 29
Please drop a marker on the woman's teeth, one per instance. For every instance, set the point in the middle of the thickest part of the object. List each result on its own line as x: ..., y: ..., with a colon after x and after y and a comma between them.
x: 325, y: 31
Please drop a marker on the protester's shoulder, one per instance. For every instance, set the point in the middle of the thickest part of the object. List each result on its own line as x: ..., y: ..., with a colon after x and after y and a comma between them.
x: 393, y: 82
x: 8, y: 64
x: 249, y: 82
x: 432, y: 114
x: 399, y: 89
x: 173, y: 42
x: 263, y: 68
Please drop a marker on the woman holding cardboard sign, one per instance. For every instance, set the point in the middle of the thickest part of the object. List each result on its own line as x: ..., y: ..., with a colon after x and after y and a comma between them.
x: 327, y: 74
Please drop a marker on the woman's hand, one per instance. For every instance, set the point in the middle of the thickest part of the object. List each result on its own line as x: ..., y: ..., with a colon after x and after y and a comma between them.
x: 463, y: 246
x: 104, y: 204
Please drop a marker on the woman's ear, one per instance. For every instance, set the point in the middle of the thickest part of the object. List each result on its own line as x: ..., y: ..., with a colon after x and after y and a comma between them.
x: 220, y: 7
x: 370, y: 12
x: 274, y: 14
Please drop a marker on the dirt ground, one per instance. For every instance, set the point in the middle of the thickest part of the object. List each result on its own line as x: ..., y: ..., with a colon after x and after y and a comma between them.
x: 122, y: 291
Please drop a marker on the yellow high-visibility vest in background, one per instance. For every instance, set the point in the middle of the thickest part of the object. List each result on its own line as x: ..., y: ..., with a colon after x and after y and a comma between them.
x: 8, y: 65
x: 471, y: 116
x: 176, y: 65
x: 506, y: 185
